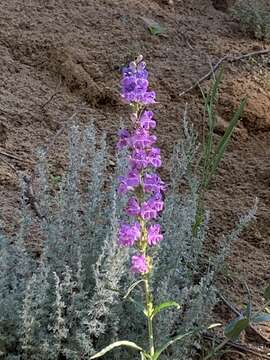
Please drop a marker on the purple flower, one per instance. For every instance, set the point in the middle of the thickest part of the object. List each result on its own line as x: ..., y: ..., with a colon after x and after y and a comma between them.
x: 146, y: 120
x: 153, y: 234
x: 141, y: 85
x: 153, y: 183
x: 123, y: 139
x: 139, y: 159
x: 148, y: 211
x: 133, y: 207
x: 128, y: 183
x: 154, y: 157
x: 142, y: 139
x: 151, y: 207
x: 156, y: 202
x: 139, y: 264
x: 129, y: 234
x: 148, y: 98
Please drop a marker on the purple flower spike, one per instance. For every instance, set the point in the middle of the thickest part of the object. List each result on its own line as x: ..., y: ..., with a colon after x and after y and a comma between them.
x: 139, y: 264
x: 153, y: 183
x: 133, y: 207
x: 146, y: 187
x: 129, y: 234
x: 154, y: 235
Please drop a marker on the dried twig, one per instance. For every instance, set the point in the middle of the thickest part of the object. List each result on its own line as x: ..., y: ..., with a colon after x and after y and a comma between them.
x: 11, y: 156
x: 229, y: 58
x: 50, y: 99
x: 9, y: 165
x: 240, y: 347
x: 57, y: 92
x: 237, y: 312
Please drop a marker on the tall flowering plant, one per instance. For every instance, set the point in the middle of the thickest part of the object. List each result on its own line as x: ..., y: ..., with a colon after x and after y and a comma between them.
x: 146, y: 191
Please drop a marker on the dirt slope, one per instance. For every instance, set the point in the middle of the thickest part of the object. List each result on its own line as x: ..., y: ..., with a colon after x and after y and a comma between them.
x: 63, y: 57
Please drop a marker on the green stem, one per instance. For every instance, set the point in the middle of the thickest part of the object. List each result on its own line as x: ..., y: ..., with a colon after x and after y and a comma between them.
x: 149, y: 308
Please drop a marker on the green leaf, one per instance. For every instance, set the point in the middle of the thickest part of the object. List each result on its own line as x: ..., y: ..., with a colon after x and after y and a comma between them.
x: 235, y: 327
x: 156, y: 29
x: 267, y: 293
x: 226, y: 137
x: 164, y: 306
x: 170, y: 342
x: 132, y: 287
x: 261, y: 318
x: 117, y: 344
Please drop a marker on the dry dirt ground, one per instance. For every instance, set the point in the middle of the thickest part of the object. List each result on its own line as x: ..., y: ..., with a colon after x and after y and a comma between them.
x: 60, y: 57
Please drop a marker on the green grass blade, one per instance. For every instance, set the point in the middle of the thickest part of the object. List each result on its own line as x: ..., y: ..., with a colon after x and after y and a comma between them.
x: 209, y: 106
x: 226, y: 137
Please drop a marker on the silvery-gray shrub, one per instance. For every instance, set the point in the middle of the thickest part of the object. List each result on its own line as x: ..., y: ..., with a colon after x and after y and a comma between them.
x: 69, y: 301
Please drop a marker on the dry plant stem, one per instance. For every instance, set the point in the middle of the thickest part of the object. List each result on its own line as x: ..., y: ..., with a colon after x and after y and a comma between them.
x: 229, y: 58
x: 236, y: 346
x: 11, y: 156
x: 57, y: 92
x: 50, y: 99
x: 10, y: 165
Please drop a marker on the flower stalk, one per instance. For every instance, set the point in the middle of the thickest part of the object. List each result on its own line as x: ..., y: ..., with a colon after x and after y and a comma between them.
x: 145, y: 191
x: 145, y: 186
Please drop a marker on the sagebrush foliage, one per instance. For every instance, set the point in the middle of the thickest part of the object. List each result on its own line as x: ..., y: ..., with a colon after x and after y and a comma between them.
x: 254, y: 18
x: 68, y: 303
